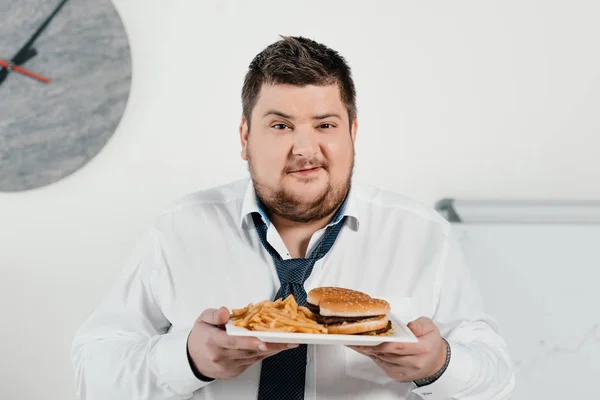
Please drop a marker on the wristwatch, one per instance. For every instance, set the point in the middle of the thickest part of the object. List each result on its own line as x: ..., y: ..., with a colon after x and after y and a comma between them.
x: 430, y: 379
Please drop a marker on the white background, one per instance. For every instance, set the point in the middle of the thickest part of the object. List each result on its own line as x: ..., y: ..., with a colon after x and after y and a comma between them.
x: 552, y: 329
x: 470, y: 99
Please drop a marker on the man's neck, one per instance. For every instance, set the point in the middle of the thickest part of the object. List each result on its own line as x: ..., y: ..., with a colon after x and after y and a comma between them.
x: 296, y: 235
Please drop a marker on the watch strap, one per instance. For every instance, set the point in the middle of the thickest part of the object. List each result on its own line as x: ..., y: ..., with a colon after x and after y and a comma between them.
x: 430, y: 379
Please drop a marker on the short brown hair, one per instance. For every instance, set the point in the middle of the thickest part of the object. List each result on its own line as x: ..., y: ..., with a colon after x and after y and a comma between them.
x: 296, y: 60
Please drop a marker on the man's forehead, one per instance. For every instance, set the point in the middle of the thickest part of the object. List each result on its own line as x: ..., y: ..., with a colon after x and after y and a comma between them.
x: 271, y: 95
x: 289, y: 98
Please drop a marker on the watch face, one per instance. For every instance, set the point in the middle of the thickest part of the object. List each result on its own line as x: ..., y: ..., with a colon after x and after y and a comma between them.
x: 64, y: 84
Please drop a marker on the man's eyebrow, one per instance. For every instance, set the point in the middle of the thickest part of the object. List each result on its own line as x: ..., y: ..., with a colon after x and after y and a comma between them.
x: 326, y: 115
x: 278, y: 113
x: 316, y: 117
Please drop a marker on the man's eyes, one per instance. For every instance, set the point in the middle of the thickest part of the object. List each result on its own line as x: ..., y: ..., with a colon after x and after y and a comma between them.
x: 284, y: 126
x: 326, y: 126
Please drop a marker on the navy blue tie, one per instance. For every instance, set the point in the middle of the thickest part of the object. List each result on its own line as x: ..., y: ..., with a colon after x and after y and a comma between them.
x: 282, y: 375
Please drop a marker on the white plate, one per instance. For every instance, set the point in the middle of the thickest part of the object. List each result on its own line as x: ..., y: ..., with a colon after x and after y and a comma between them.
x: 401, y: 334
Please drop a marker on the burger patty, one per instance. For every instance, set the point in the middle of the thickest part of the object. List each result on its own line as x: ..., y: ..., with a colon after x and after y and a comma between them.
x: 378, y: 331
x: 339, y: 320
x: 313, y: 308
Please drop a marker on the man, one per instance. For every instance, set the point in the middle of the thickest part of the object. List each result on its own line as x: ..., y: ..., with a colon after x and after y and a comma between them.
x: 159, y: 334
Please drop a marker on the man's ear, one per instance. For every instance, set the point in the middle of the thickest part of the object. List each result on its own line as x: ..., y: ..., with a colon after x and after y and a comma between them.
x: 244, y: 131
x: 354, y: 130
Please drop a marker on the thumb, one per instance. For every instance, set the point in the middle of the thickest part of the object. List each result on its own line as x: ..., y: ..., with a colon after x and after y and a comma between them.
x: 215, y: 317
x: 421, y: 326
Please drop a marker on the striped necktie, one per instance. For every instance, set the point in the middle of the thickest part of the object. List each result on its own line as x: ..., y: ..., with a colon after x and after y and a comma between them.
x: 282, y: 375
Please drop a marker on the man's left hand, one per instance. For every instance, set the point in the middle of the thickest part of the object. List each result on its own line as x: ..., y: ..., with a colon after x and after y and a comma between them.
x: 406, y: 362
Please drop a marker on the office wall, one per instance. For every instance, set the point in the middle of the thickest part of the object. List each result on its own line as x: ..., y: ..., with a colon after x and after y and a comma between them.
x: 472, y: 99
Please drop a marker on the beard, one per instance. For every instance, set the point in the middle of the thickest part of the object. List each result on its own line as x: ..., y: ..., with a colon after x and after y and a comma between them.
x: 286, y: 205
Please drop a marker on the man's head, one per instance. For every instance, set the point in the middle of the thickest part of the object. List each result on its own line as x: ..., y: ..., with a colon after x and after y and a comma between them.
x: 298, y: 128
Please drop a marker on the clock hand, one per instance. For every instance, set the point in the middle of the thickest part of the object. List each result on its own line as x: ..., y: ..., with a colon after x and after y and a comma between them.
x: 32, y: 52
x: 38, y: 32
x: 11, y: 66
x: 23, y: 51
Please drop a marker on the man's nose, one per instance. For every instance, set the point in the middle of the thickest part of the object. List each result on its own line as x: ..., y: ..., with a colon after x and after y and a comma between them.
x: 305, y: 143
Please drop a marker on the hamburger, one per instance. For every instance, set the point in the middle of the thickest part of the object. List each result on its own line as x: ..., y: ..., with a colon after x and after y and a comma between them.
x: 349, y: 312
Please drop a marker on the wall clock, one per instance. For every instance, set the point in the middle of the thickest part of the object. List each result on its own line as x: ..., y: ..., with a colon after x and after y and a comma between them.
x: 65, y: 76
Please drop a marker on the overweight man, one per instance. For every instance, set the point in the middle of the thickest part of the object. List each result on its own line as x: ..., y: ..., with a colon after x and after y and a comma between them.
x: 159, y: 333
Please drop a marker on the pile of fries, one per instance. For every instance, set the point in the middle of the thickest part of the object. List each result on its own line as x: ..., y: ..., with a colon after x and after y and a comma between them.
x: 277, y: 316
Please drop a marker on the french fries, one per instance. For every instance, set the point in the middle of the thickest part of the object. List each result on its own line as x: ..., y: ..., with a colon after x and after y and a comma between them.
x: 277, y: 316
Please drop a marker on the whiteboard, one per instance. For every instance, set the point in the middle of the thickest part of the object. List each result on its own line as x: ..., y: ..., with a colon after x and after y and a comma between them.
x: 541, y: 282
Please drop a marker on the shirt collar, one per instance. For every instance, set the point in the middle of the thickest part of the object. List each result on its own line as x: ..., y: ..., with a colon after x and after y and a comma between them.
x: 251, y: 205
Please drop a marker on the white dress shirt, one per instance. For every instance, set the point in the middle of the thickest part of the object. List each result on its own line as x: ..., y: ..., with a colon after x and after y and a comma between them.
x: 204, y: 252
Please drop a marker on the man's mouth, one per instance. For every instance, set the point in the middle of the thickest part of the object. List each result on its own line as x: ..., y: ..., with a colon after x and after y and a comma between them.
x: 307, y: 171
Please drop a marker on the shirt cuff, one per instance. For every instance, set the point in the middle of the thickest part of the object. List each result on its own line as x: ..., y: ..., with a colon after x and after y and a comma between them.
x: 454, y: 379
x: 173, y: 366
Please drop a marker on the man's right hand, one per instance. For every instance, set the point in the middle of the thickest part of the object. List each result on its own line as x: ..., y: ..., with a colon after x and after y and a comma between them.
x: 220, y: 356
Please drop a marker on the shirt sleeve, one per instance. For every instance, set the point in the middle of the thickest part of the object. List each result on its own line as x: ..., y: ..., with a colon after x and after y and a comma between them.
x: 480, y: 366
x: 126, y: 349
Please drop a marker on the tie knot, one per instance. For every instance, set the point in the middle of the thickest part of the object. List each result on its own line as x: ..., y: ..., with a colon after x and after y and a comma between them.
x: 294, y: 271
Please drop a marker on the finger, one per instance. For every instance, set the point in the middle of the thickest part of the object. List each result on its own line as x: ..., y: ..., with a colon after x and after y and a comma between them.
x: 277, y: 347
x: 397, y: 348
x: 261, y: 356
x: 222, y: 339
x: 269, y: 354
x: 403, y: 361
x: 364, y: 350
x: 215, y: 317
x: 253, y: 354
x: 422, y: 326
x: 249, y: 361
x: 241, y: 354
x: 396, y: 372
x: 383, y: 363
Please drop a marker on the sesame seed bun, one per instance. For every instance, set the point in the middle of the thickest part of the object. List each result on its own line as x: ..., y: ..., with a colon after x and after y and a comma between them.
x: 353, y: 307
x: 316, y: 295
x: 342, y: 302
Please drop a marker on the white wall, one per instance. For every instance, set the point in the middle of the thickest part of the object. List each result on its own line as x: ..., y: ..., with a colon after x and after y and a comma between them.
x: 494, y: 99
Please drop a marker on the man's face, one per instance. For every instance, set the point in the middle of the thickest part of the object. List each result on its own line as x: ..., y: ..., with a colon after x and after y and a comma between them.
x: 300, y: 150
